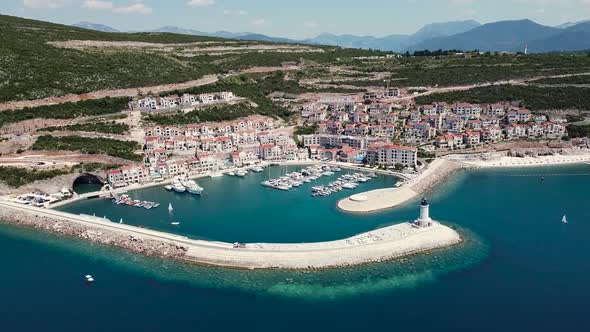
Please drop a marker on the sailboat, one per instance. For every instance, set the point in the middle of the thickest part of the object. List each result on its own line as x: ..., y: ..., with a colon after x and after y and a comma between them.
x: 170, y: 208
x: 564, y: 219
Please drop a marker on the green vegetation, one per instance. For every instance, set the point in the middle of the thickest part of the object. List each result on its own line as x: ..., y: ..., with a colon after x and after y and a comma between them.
x: 17, y: 176
x: 93, y: 167
x: 574, y: 131
x: 111, y: 147
x: 66, y: 111
x: 535, y: 98
x: 360, y: 83
x: 472, y: 68
x: 580, y: 79
x: 307, y: 130
x: 98, y: 127
x: 33, y: 68
x: 254, y: 87
x: 574, y: 118
x: 213, y: 113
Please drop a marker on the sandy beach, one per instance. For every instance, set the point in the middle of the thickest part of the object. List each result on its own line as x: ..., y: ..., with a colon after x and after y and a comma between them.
x: 377, y: 245
x: 441, y: 168
x: 502, y: 160
x: 380, y: 199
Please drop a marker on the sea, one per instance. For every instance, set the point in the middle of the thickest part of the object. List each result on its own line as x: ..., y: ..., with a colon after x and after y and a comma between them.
x: 520, y: 267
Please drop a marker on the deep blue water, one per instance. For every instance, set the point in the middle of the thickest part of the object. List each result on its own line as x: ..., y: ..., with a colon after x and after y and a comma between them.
x: 520, y: 269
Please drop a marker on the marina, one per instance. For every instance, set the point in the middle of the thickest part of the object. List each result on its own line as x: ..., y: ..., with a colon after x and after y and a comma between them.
x: 125, y: 199
x: 233, y: 198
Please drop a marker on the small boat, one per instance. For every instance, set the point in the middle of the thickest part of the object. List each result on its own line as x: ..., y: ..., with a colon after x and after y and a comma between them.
x: 230, y: 173
x: 241, y: 173
x: 175, y: 223
x: 121, y: 221
x: 170, y: 208
x: 564, y: 219
x: 168, y: 187
x: 89, y: 278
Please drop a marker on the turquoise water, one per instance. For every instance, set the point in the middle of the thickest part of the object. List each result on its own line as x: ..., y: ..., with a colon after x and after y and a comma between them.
x: 240, y: 209
x: 520, y: 269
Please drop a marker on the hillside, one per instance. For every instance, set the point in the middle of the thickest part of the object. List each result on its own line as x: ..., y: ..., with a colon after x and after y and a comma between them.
x: 41, y: 59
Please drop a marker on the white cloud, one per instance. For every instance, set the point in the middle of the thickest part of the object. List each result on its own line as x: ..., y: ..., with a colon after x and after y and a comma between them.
x: 461, y: 2
x: 136, y: 8
x: 235, y: 12
x: 201, y: 3
x: 259, y: 21
x: 43, y: 3
x: 97, y: 4
x: 310, y: 24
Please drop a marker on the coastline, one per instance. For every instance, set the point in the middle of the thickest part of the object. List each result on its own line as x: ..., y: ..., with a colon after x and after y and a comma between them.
x: 442, y: 168
x: 135, y: 187
x: 382, y: 244
x: 380, y: 199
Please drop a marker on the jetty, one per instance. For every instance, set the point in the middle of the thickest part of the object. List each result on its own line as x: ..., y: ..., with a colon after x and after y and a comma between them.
x: 380, y: 199
x: 378, y: 245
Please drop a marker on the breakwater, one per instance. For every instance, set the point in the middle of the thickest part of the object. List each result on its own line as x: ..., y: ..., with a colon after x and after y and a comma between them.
x: 378, y: 245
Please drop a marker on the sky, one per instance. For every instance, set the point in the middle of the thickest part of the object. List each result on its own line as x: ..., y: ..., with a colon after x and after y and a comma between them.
x: 295, y: 19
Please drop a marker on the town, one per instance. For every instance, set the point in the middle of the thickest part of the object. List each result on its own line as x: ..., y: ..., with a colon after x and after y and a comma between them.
x: 382, y: 130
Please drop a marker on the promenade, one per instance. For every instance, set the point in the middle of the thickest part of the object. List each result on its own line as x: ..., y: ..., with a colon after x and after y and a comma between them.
x: 377, y: 245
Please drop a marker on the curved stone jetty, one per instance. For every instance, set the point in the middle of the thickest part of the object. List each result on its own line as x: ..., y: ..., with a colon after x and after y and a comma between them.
x: 380, y: 199
x: 377, y: 245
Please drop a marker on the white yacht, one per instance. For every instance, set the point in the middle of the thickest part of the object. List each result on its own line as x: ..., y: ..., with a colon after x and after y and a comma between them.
x: 241, y: 173
x: 177, y: 186
x: 192, y: 187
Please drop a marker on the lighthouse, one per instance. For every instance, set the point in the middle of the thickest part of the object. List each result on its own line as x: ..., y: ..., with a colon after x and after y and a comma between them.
x: 424, y: 219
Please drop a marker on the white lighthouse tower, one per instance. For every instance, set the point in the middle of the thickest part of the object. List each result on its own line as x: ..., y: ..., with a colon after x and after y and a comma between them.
x: 424, y: 219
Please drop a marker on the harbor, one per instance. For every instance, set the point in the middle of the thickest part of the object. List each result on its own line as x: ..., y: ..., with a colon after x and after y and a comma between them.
x: 228, y: 199
x: 390, y: 242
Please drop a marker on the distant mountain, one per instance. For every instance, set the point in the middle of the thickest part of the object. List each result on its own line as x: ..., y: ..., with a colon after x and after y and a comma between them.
x: 498, y: 36
x: 574, y: 38
x: 437, y: 30
x: 395, y: 42
x: 224, y: 34
x: 570, y: 24
x: 181, y: 31
x: 95, y: 26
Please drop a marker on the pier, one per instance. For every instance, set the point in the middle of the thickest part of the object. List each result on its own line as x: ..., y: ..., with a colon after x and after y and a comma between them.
x: 377, y: 245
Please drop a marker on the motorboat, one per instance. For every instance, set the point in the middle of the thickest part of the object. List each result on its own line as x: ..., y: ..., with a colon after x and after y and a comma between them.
x: 178, y: 187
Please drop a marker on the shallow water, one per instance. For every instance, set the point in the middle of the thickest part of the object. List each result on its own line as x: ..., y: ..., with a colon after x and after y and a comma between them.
x: 520, y: 269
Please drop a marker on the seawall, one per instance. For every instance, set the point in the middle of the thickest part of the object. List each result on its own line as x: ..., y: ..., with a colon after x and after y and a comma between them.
x: 378, y: 245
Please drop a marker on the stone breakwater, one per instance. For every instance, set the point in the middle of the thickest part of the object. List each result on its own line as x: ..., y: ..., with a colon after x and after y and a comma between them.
x: 380, y: 199
x: 57, y: 226
x: 375, y: 246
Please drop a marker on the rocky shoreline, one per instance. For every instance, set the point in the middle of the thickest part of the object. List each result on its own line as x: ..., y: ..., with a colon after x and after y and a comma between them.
x: 56, y: 226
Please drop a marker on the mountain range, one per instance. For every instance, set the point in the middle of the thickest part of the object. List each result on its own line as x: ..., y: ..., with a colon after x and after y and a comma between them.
x: 462, y: 35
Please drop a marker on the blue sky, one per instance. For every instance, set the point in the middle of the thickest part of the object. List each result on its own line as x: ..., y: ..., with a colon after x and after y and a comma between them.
x: 295, y: 19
